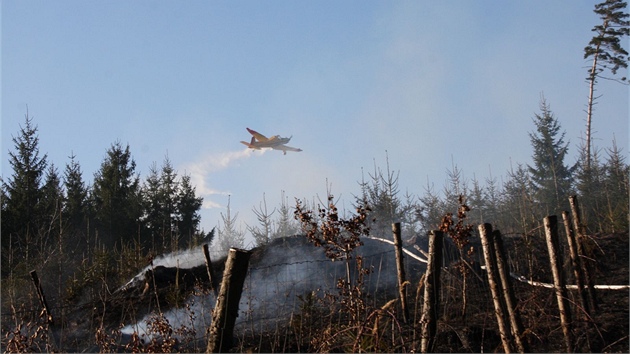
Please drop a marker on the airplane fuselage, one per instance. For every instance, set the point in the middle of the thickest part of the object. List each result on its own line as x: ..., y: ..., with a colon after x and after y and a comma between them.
x: 273, y: 141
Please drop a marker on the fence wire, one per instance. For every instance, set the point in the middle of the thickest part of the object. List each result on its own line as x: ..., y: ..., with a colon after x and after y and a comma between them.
x: 282, y: 281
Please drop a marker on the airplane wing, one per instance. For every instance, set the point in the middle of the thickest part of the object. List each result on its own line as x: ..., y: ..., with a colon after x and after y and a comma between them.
x: 285, y: 148
x: 257, y: 135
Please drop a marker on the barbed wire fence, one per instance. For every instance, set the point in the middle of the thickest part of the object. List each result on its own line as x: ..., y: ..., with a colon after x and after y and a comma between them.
x: 278, y: 285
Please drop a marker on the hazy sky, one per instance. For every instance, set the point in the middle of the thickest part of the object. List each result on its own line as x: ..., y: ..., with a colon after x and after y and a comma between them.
x: 433, y: 83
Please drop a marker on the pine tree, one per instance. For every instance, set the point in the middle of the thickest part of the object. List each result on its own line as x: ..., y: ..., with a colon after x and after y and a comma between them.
x: 430, y: 209
x: 76, y: 207
x: 117, y: 198
x: 171, y: 209
x: 263, y: 232
x: 616, y: 186
x: 21, y: 219
x: 454, y: 187
x: 517, y: 201
x: 286, y: 225
x: 152, y: 205
x: 188, y: 207
x: 6, y: 264
x: 477, y: 201
x: 607, y: 53
x: 229, y: 236
x: 381, y: 195
x: 76, y: 195
x: 203, y: 237
x: 51, y: 206
x: 493, y: 200
x: 589, y: 184
x: 550, y: 176
x: 410, y: 222
x: 168, y: 195
x: 3, y: 199
x: 518, y: 214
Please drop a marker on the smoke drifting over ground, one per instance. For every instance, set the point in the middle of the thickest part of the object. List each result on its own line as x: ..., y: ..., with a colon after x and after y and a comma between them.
x: 185, y: 259
x: 279, y: 274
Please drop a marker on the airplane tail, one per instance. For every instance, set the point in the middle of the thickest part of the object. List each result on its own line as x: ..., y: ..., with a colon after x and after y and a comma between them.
x: 249, y: 145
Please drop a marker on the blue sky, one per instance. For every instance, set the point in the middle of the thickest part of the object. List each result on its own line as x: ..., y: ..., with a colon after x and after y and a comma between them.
x: 432, y: 83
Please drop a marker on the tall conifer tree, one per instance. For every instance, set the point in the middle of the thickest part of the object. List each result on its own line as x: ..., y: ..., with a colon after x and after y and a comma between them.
x: 51, y: 206
x: 76, y: 207
x: 21, y: 219
x: 168, y: 198
x: 617, y: 187
x: 188, y: 206
x: 117, y: 197
x: 607, y: 53
x: 152, y: 206
x: 551, y: 178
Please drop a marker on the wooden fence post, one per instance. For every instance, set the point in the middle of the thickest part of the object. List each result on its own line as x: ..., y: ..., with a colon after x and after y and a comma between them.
x: 400, y: 267
x: 576, y: 263
x: 211, y: 277
x: 41, y: 297
x: 508, y: 293
x: 586, y: 261
x: 555, y: 258
x: 489, y: 255
x: 431, y: 306
x: 226, y: 310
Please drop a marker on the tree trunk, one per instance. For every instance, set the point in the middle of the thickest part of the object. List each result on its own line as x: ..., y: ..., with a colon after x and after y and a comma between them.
x: 589, y: 108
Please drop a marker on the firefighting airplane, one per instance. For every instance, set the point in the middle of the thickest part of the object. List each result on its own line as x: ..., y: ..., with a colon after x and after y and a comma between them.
x: 276, y: 142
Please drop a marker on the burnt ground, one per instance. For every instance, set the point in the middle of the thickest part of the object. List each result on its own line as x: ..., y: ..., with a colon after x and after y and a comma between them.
x: 320, y: 323
x: 605, y: 329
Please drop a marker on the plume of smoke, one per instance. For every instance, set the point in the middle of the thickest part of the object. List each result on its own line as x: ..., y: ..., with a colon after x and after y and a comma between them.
x: 183, y: 259
x: 213, y: 162
x: 177, y: 317
x: 284, y: 270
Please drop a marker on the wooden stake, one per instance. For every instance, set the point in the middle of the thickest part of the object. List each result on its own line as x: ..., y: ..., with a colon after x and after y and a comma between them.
x: 586, y: 262
x: 211, y: 277
x: 489, y: 254
x: 576, y: 263
x: 555, y: 258
x: 400, y: 267
x: 226, y: 310
x: 431, y: 306
x: 508, y: 293
x: 42, y: 298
